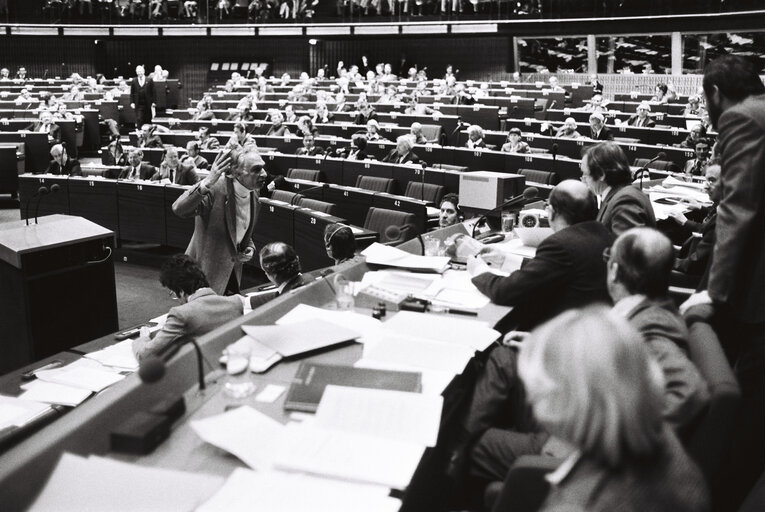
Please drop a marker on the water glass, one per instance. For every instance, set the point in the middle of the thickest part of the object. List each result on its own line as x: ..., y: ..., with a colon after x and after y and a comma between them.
x: 239, y: 382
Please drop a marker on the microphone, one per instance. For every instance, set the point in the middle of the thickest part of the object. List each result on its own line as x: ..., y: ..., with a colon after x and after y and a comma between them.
x: 41, y: 190
x: 528, y: 195
x: 660, y: 156
x: 422, y: 181
x: 309, y: 189
x: 393, y: 232
x: 152, y: 368
x: 53, y: 189
x: 554, y: 151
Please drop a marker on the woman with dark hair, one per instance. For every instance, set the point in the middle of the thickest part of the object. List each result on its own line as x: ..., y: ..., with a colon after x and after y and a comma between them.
x: 606, y: 172
x: 339, y: 242
x: 200, y: 311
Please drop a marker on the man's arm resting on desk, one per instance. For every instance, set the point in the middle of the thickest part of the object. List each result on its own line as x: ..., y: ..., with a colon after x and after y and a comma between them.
x: 173, y: 329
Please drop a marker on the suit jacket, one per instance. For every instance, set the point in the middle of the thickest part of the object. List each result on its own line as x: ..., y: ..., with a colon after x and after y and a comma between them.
x: 624, y: 208
x: 262, y: 298
x: 200, y: 162
x: 181, y: 176
x: 669, y: 482
x: 143, y: 96
x: 145, y: 171
x: 568, y: 271
x: 665, y: 332
x: 213, y: 244
x: 737, y: 272
x: 649, y: 123
x: 690, y: 167
x: 155, y: 141
x: 204, y: 311
x: 110, y: 159
x: 361, y: 119
x: 409, y: 158
x: 71, y: 168
x: 605, y: 134
x: 54, y: 130
x: 316, y: 150
x: 697, y: 251
x: 209, y: 143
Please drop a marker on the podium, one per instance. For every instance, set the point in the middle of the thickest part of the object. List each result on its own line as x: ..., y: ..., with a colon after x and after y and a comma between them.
x: 58, y: 288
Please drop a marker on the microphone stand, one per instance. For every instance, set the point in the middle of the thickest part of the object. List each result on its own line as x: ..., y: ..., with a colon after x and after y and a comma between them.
x: 515, y: 201
x: 29, y: 200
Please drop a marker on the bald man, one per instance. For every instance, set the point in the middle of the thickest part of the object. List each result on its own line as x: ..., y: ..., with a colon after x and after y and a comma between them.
x: 226, y: 211
x: 568, y: 270
x: 62, y: 163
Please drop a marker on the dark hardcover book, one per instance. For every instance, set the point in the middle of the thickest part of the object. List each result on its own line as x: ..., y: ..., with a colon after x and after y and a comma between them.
x: 310, y: 380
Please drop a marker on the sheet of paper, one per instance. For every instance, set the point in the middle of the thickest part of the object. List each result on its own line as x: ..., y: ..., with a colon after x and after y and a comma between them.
x: 402, y: 282
x: 417, y: 352
x: 363, y: 324
x: 293, y: 339
x: 120, y: 355
x: 380, y: 254
x: 348, y: 456
x: 15, y: 412
x: 270, y: 394
x: 244, y: 432
x: 261, y: 357
x: 95, y: 484
x: 465, y: 332
x: 50, y: 393
x: 93, y: 379
x: 395, y: 415
x: 245, y: 491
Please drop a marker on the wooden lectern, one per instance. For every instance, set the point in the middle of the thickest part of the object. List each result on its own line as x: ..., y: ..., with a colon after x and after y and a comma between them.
x: 57, y: 287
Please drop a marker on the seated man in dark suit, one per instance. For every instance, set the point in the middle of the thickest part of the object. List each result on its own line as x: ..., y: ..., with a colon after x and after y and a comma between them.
x: 114, y: 154
x: 61, y: 163
x: 567, y: 270
x: 598, y: 128
x: 171, y: 169
x: 698, y: 166
x: 357, y: 151
x: 642, y: 119
x: 46, y: 125
x: 281, y: 265
x: 147, y: 138
x: 206, y: 142
x: 402, y: 154
x: 200, y: 310
x: 136, y: 168
x: 309, y: 148
x: 697, y: 249
x: 192, y: 153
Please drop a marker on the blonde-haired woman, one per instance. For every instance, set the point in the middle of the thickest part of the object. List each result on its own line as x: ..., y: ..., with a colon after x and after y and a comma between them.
x: 591, y: 383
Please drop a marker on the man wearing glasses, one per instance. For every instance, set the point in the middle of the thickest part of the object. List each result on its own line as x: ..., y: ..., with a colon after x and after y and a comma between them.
x: 225, y: 213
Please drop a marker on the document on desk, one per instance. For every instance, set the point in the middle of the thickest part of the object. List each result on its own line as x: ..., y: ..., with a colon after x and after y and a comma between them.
x: 50, y: 393
x: 80, y: 375
x: 246, y: 490
x: 379, y: 254
x: 363, y: 324
x: 396, y: 415
x: 16, y: 412
x: 402, y: 349
x: 293, y: 339
x: 348, y: 456
x: 460, y: 331
x: 402, y: 282
x: 120, y: 355
x: 244, y: 432
x: 96, y: 484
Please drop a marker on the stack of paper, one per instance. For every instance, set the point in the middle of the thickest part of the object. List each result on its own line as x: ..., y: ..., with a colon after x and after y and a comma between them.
x: 15, y: 412
x: 379, y: 254
x: 301, y: 337
x: 82, y: 374
x: 363, y: 324
x: 120, y: 355
x: 246, y: 490
x: 97, y: 484
x: 460, y: 331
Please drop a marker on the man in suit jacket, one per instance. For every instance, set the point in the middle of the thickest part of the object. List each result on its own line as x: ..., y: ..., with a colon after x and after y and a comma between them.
x: 46, y: 125
x: 206, y: 142
x: 642, y: 119
x: 182, y: 173
x: 62, y: 163
x: 225, y: 213
x: 736, y: 286
x: 200, y: 311
x: 402, y: 154
x: 137, y: 169
x: 698, y: 166
x: 598, y: 128
x: 309, y: 148
x: 281, y: 265
x: 192, y: 153
x: 142, y: 98
x: 148, y: 138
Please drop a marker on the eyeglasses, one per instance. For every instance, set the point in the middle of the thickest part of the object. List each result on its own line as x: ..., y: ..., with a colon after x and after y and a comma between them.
x: 607, y: 254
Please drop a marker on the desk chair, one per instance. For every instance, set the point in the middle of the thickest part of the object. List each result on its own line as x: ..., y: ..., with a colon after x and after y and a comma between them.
x: 304, y: 174
x: 380, y: 219
x: 660, y: 165
x: 315, y: 204
x: 375, y: 183
x: 286, y: 196
x: 537, y: 176
x: 425, y: 191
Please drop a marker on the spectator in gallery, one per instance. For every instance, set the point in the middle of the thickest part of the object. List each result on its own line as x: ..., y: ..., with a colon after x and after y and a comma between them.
x: 339, y: 242
x: 514, y: 144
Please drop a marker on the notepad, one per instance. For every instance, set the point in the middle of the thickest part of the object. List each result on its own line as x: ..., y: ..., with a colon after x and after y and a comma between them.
x: 293, y: 339
x: 50, y: 393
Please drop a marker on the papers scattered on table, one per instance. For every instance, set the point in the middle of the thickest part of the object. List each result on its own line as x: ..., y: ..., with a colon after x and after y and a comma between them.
x: 246, y: 490
x: 348, y: 456
x: 244, y: 432
x: 15, y: 412
x: 379, y: 254
x: 97, y: 484
x: 460, y: 331
x: 298, y: 338
x: 394, y: 415
x: 78, y: 376
x: 363, y: 324
x: 418, y: 353
x: 50, y: 393
x: 120, y: 355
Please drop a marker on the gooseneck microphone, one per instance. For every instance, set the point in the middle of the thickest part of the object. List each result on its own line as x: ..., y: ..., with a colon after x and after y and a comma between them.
x: 528, y: 195
x: 153, y: 367
x: 554, y: 151
x: 53, y: 189
x: 644, y: 170
x: 393, y: 232
x: 40, y: 191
